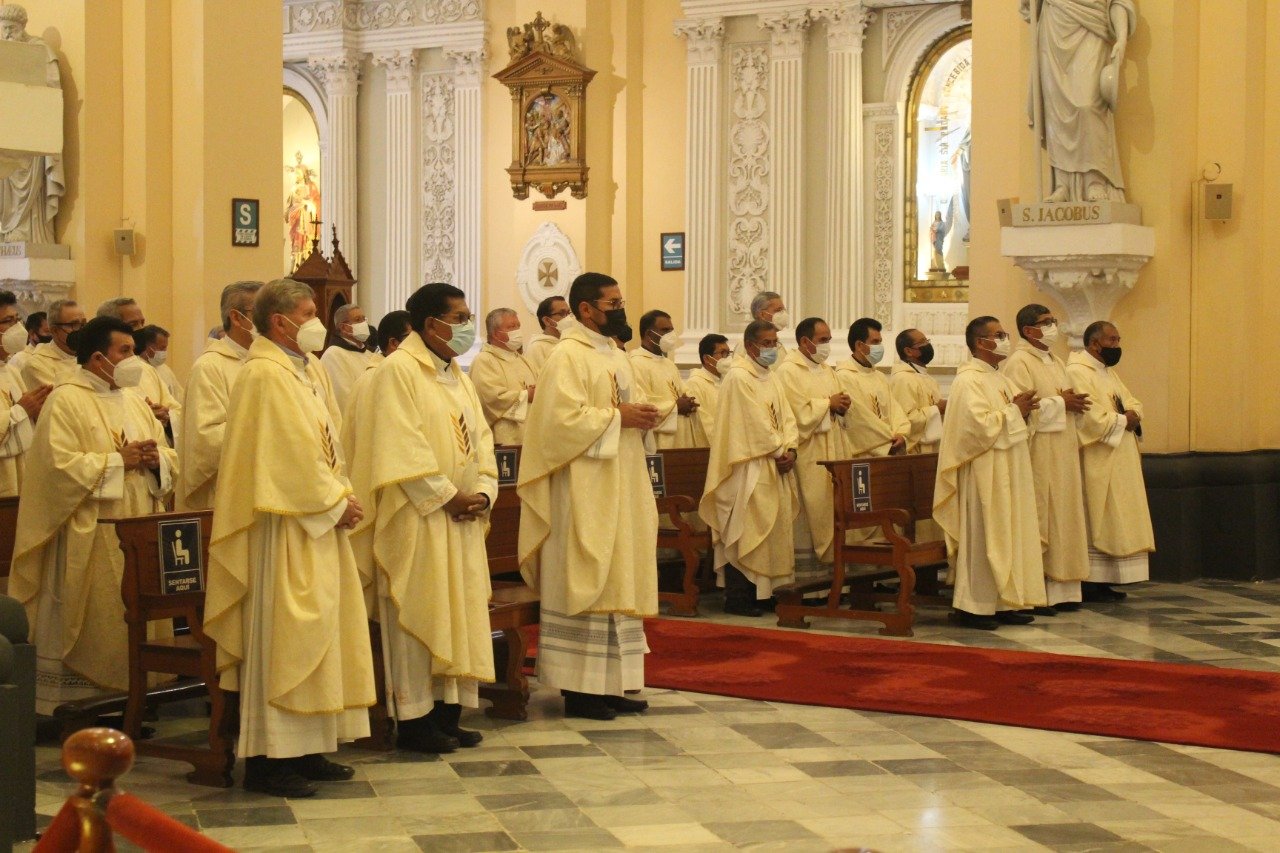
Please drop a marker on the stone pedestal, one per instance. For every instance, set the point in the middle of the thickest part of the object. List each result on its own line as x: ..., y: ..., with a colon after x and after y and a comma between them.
x: 1086, y: 268
x: 39, y: 274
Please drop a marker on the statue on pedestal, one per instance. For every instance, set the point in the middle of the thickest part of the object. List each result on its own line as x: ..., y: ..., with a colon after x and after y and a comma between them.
x: 1080, y: 47
x: 31, y: 194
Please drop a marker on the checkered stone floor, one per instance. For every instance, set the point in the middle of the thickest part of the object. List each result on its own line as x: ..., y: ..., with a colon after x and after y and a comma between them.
x: 702, y: 772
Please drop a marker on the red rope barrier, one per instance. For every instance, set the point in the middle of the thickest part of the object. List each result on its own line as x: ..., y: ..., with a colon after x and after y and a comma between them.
x: 64, y: 833
x: 153, y: 830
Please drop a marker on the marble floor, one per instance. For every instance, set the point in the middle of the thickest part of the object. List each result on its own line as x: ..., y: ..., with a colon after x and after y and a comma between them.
x: 702, y: 772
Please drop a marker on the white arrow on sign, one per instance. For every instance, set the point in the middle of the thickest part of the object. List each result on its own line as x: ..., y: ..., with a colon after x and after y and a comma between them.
x: 671, y: 246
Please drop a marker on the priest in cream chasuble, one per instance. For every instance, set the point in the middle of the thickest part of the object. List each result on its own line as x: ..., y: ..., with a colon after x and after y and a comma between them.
x: 984, y: 498
x: 98, y: 452
x: 423, y: 463
x: 589, y: 523
x: 818, y: 405
x: 503, y: 379
x: 750, y: 502
x: 284, y: 604
x: 1055, y: 454
x: 1115, y: 495
x: 208, y: 394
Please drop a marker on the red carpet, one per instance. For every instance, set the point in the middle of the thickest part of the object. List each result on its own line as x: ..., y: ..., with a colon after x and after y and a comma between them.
x: 1175, y: 703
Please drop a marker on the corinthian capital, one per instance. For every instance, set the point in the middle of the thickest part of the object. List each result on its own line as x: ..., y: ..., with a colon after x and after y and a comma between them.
x: 704, y: 37
x: 399, y: 65
x: 468, y: 65
x: 788, y: 32
x: 846, y: 24
x: 339, y: 72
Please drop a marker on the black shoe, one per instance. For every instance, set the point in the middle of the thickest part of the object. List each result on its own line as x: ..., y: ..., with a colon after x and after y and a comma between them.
x: 419, y: 735
x: 1067, y: 606
x: 277, y: 777
x: 769, y: 605
x: 742, y: 609
x: 1014, y: 617
x: 588, y: 706
x: 1043, y: 611
x: 623, y: 705
x: 317, y: 768
x: 1101, y: 593
x: 445, y: 718
x: 974, y: 620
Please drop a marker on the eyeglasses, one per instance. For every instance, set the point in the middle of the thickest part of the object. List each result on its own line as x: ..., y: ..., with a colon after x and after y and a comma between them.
x: 998, y: 336
x: 1046, y: 323
x: 612, y: 304
x: 74, y: 325
x: 457, y: 319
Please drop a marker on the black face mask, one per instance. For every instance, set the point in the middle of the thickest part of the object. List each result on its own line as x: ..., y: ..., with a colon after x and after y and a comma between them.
x: 44, y: 339
x: 615, y: 325
x: 1110, y: 356
x: 926, y: 355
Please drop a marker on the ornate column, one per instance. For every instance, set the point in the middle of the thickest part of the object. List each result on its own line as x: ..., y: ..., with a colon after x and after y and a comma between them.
x: 469, y: 67
x: 845, y: 297
x: 703, y: 266
x: 341, y: 77
x: 788, y: 32
x: 400, y: 150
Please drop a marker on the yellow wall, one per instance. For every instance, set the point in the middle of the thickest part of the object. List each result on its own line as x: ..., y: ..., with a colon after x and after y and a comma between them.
x: 172, y: 110
x: 635, y: 150
x: 1201, y: 84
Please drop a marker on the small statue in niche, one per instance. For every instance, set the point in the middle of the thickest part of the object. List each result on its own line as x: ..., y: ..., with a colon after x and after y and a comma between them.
x: 521, y: 41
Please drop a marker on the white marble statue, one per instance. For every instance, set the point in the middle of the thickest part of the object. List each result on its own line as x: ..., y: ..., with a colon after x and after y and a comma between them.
x: 31, y: 194
x: 1080, y: 50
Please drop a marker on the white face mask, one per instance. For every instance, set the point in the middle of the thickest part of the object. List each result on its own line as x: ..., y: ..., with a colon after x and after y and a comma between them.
x: 128, y: 372
x: 14, y: 339
x: 821, y: 354
x: 876, y: 355
x: 780, y: 319
x: 159, y: 357
x: 668, y: 342
x: 515, y: 340
x: 1004, y: 346
x: 360, y: 331
x: 311, y: 335
x: 1049, y: 334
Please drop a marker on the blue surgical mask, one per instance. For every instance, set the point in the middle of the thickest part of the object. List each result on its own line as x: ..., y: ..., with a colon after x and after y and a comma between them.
x: 464, y: 336
x: 767, y: 357
x: 876, y: 355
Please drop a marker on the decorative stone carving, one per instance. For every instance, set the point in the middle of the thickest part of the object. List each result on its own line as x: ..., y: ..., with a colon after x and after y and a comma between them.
x: 749, y: 141
x: 309, y: 17
x: 468, y: 65
x: 548, y: 101
x: 897, y: 22
x: 548, y: 265
x: 438, y: 153
x: 1086, y: 268
x: 884, y: 158
x: 846, y: 24
x: 704, y: 39
x: 788, y: 32
x: 399, y: 66
x: 468, y: 73
x: 339, y: 73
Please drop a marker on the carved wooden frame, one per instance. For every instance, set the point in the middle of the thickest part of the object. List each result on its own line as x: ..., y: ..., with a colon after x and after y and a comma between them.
x: 532, y: 76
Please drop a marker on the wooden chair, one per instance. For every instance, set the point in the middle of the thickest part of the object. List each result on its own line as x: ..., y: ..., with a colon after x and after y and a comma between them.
x: 685, y: 475
x: 886, y: 492
x: 193, y: 655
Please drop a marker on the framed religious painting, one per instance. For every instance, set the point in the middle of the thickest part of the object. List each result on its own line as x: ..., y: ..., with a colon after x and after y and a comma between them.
x: 548, y: 110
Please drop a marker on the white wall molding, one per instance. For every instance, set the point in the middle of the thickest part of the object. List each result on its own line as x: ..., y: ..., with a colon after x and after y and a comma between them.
x: 340, y: 75
x: 548, y: 265
x: 749, y: 179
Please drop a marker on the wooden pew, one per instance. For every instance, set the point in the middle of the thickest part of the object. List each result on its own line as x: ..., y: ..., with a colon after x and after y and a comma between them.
x: 888, y: 493
x: 685, y: 478
x: 8, y: 531
x: 155, y: 589
x: 512, y: 608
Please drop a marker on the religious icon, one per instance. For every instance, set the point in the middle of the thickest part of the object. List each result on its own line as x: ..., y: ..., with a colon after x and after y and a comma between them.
x: 548, y: 92
x: 302, y: 210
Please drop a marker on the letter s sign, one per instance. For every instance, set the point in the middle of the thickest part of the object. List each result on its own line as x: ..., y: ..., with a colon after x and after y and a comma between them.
x: 244, y: 222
